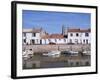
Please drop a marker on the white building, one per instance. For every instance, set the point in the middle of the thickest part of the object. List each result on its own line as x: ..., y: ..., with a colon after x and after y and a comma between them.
x: 72, y: 36
x: 78, y: 36
x: 54, y: 39
x: 32, y: 36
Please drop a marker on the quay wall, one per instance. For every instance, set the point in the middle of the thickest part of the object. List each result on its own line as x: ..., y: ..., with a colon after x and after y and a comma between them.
x: 46, y: 48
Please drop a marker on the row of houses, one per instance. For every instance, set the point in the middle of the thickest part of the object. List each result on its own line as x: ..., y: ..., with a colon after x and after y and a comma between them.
x: 68, y: 36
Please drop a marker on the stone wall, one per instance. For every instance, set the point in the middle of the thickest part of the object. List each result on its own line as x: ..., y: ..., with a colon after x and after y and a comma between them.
x: 46, y: 48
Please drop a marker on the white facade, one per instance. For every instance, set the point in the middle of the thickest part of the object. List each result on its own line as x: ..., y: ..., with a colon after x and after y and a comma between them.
x: 30, y: 39
x: 56, y: 41
x: 31, y: 36
x: 86, y: 39
x: 79, y: 37
x: 38, y: 36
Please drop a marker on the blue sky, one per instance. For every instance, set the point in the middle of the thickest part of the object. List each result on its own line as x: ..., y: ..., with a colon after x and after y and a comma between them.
x: 52, y: 22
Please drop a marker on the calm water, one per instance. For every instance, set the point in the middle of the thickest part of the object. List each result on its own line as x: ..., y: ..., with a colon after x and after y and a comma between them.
x: 49, y: 62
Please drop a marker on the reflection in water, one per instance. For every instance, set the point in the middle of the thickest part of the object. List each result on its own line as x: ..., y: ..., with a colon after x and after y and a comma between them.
x: 64, y: 60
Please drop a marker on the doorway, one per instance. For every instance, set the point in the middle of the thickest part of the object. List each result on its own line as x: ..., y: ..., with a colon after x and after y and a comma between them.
x: 86, y: 41
x: 33, y: 41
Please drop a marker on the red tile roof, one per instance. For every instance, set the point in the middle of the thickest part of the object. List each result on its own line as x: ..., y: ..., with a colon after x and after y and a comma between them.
x: 57, y: 36
x: 79, y: 30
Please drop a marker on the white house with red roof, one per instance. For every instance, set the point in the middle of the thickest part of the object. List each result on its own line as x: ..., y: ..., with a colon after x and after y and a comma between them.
x: 79, y: 36
x: 68, y: 36
x: 54, y: 39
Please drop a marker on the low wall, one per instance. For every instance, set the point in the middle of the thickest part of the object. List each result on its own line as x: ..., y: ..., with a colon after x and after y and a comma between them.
x: 46, y: 48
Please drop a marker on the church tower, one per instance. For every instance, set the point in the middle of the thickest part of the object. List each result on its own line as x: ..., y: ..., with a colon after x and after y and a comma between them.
x: 64, y: 30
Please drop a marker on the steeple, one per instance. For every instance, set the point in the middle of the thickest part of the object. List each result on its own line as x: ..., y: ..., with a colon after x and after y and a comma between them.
x: 63, y: 27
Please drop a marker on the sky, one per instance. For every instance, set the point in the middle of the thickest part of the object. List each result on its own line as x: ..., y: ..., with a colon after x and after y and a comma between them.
x: 52, y: 22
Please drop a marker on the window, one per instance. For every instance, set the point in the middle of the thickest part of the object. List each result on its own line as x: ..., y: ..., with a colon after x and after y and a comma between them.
x: 24, y: 40
x: 65, y: 36
x: 86, y: 34
x: 77, y: 34
x: 24, y: 34
x: 40, y: 41
x: 34, y: 34
x: 84, y: 40
x: 71, y: 34
x: 33, y: 41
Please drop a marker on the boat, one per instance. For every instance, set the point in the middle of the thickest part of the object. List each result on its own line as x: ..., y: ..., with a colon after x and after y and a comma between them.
x: 75, y: 53
x: 86, y: 52
x: 27, y: 54
x: 53, y: 54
